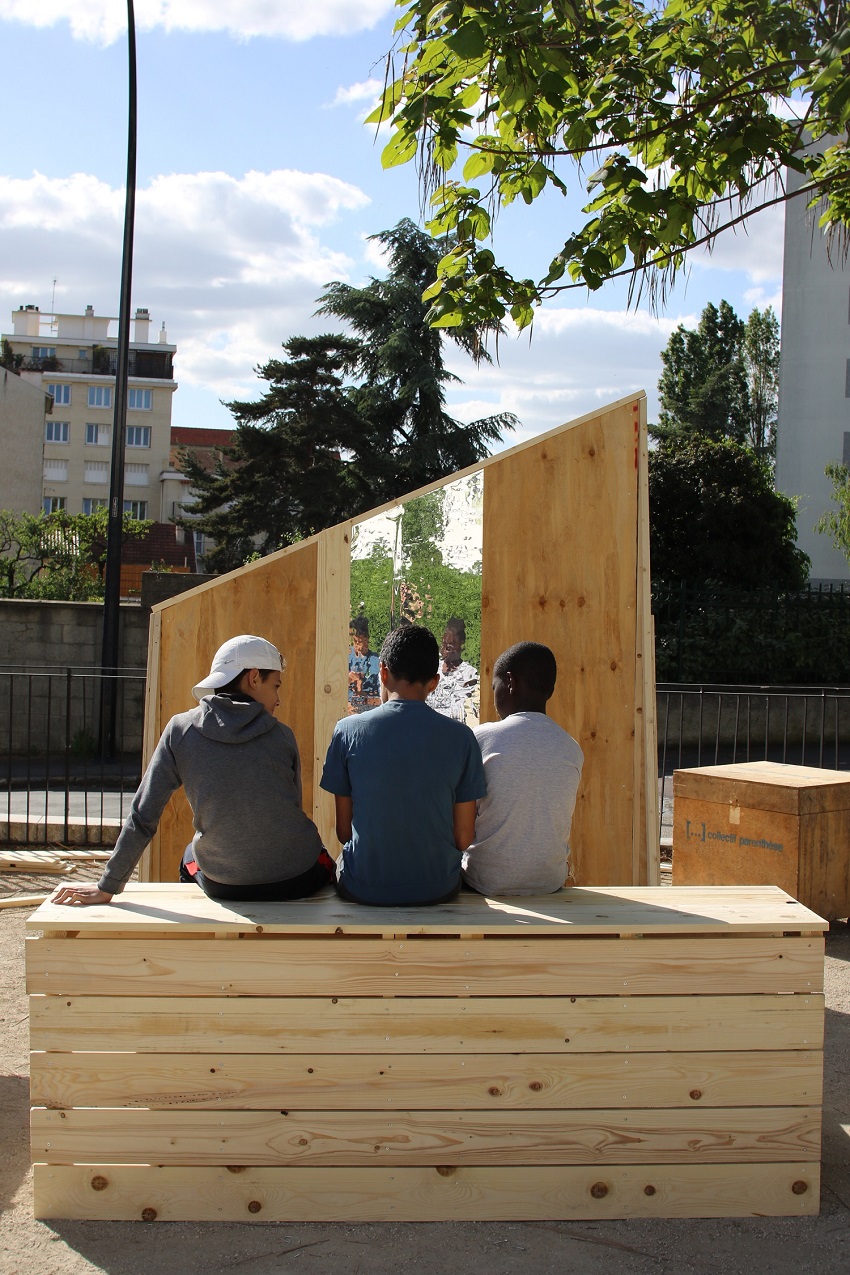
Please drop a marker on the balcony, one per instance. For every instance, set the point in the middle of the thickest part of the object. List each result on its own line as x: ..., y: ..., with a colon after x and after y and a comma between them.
x: 152, y: 364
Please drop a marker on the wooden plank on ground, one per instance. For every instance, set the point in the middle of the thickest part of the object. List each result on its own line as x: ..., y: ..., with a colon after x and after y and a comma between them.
x: 490, y: 1082
x: 415, y: 967
x: 31, y: 861
x: 334, y: 1138
x: 579, y: 909
x: 429, y: 1025
x: 371, y: 1194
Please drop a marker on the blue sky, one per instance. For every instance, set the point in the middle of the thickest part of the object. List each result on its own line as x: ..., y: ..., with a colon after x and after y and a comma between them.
x: 258, y: 184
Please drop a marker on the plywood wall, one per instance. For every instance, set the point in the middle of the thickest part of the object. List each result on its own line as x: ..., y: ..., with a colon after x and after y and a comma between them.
x: 565, y: 562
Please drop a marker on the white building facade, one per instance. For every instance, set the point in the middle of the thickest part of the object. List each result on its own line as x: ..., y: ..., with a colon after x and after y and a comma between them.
x: 73, y: 358
x: 814, y: 379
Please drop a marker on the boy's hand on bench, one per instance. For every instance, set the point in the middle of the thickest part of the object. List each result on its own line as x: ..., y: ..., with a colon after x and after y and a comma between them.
x: 82, y: 895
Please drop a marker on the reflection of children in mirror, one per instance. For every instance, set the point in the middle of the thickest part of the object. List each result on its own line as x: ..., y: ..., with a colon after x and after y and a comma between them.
x: 364, y: 685
x: 456, y: 695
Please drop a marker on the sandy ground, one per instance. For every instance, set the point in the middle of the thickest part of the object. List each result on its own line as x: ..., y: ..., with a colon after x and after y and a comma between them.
x: 781, y: 1246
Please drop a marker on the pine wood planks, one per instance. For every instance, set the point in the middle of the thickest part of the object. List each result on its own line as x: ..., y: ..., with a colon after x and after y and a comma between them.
x: 596, y: 1053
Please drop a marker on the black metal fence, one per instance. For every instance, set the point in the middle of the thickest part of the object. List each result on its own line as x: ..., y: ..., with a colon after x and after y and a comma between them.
x: 55, y: 784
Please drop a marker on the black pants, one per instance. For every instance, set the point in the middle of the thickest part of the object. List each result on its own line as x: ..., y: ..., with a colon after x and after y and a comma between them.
x: 322, y: 872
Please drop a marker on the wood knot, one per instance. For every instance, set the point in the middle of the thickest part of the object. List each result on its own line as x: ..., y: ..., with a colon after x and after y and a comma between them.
x: 649, y: 1190
x: 591, y: 451
x: 542, y: 601
x: 327, y: 688
x: 148, y: 1215
x: 613, y: 666
x: 446, y: 1170
x: 696, y: 1094
x: 99, y: 1183
x: 599, y: 1190
x: 302, y: 1142
x: 254, y: 1206
x: 580, y: 602
x: 536, y: 1086
x: 799, y: 1187
x: 494, y: 1092
x: 236, y: 1168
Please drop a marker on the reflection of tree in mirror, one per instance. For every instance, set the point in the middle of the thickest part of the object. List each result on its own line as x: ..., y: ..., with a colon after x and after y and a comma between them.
x: 406, y: 575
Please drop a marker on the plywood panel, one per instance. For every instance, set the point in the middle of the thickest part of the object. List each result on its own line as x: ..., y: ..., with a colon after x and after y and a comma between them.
x: 431, y: 1025
x: 560, y: 567
x: 339, y: 1082
x: 713, y: 1135
x: 441, y: 1193
x: 274, y: 598
x: 490, y: 967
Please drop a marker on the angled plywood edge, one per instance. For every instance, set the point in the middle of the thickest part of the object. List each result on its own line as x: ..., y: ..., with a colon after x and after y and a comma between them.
x: 565, y: 561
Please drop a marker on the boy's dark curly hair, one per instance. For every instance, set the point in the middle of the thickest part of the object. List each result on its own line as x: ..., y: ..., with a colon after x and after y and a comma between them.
x: 411, y: 653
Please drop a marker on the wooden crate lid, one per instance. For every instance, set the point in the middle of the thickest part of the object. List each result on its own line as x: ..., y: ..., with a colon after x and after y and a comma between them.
x: 597, y: 910
x: 766, y: 785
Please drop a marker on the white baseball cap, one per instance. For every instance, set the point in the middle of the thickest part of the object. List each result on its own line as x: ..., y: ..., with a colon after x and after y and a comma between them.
x: 235, y: 656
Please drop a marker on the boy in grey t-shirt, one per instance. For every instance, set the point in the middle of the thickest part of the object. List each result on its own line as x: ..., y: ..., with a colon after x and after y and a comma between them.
x: 533, y: 768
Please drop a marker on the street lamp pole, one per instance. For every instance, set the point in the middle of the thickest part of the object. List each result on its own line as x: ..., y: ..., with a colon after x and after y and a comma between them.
x: 112, y: 595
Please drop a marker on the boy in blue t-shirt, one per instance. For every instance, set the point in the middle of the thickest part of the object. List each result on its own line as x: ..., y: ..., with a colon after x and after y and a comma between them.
x: 406, y: 781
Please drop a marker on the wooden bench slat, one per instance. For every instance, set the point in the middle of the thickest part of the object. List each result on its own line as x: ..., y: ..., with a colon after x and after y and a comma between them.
x: 435, y: 1025
x: 340, y: 1082
x: 401, y: 1137
x: 417, y: 967
x: 133, y: 1192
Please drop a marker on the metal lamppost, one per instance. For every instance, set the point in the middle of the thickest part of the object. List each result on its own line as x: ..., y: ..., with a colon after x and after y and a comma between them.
x: 112, y: 595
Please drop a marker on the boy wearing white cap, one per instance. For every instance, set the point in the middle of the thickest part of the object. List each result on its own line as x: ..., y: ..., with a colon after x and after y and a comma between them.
x: 241, y: 771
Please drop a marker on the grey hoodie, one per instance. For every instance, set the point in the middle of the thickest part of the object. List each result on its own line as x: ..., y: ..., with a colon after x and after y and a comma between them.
x: 242, y: 775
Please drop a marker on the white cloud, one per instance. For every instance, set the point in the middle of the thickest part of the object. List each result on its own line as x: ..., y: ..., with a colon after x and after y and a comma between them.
x: 754, y: 247
x: 578, y: 359
x: 365, y: 91
x: 105, y: 20
x: 232, y: 265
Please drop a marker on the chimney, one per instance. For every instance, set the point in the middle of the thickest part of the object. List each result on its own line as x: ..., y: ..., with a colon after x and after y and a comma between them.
x: 163, y: 335
x: 142, y: 325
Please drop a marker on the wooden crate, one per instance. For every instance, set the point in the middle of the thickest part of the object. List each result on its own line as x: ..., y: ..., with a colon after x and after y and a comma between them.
x: 761, y: 823
x: 599, y: 1053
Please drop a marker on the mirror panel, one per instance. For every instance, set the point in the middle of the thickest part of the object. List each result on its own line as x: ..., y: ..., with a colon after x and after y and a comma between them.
x: 419, y: 562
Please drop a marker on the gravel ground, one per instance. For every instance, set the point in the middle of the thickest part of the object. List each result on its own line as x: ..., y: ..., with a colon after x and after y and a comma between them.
x: 781, y: 1246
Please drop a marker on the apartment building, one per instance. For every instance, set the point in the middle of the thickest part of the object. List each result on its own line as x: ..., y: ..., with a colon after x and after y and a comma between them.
x: 73, y: 358
x: 814, y: 378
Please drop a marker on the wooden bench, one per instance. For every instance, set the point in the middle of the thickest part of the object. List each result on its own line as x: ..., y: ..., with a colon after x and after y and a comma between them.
x: 598, y: 1053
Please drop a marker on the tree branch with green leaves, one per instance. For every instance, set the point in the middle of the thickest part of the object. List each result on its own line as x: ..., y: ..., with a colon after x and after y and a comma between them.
x: 688, y: 110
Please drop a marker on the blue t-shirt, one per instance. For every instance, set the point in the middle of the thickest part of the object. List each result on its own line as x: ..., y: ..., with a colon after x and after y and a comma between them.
x: 404, y: 767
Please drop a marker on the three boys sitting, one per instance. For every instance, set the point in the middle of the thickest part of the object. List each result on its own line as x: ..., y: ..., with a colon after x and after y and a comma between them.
x: 422, y: 802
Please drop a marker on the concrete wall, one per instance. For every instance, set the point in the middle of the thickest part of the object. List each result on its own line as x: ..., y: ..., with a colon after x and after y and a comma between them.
x: 45, y: 639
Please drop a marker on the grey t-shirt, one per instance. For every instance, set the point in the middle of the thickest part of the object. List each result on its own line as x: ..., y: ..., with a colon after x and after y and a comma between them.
x: 522, y: 828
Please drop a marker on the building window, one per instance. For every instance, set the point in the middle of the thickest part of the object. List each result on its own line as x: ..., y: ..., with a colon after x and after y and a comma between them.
x: 140, y: 400
x: 54, y: 504
x: 100, y: 396
x: 97, y: 435
x: 44, y: 351
x: 138, y: 435
x: 91, y: 503
x: 57, y: 431
x: 61, y: 395
x: 136, y: 508
x: 136, y: 475
x: 55, y: 471
x: 83, y: 354
x: 96, y: 471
